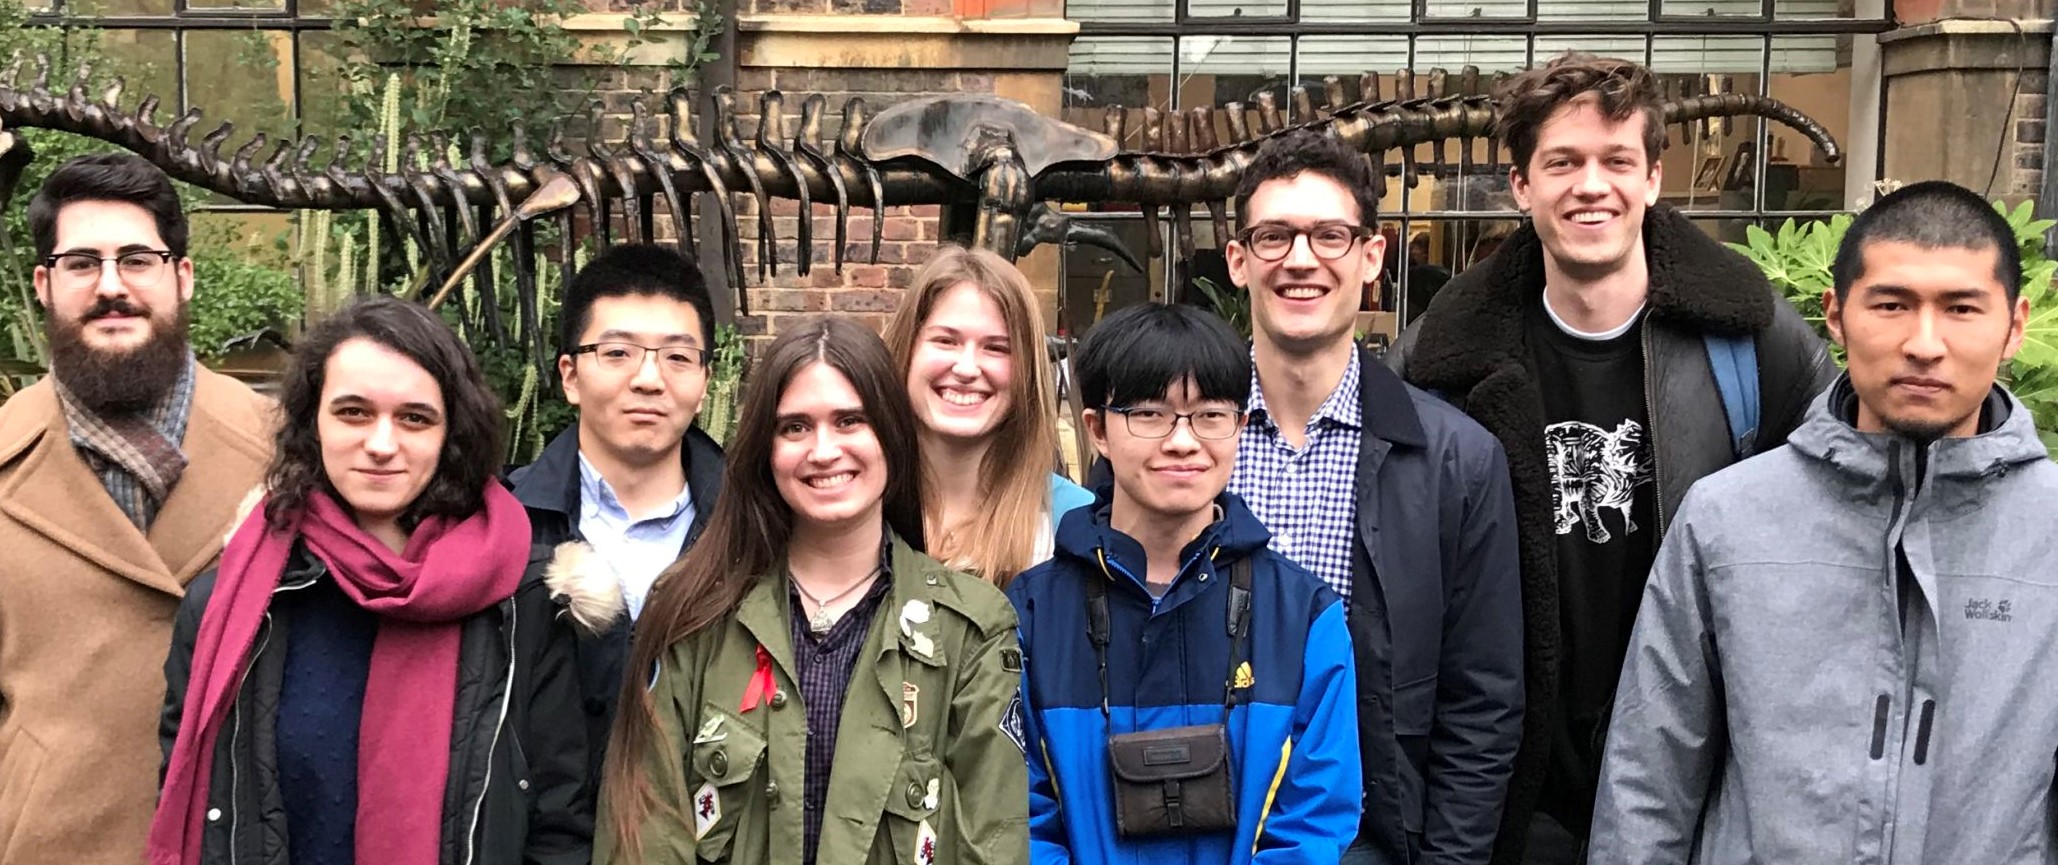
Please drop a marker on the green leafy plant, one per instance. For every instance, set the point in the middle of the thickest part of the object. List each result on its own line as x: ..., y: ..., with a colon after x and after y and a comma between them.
x: 1797, y: 260
x: 724, y: 384
x: 1232, y: 304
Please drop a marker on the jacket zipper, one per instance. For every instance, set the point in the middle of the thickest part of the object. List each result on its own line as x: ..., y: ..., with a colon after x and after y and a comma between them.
x: 471, y: 840
x: 1651, y: 421
x: 236, y: 724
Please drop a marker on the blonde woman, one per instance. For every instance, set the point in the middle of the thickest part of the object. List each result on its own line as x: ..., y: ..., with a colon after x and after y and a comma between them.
x: 969, y: 337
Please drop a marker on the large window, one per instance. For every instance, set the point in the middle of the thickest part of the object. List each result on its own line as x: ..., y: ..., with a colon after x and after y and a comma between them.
x: 1454, y: 205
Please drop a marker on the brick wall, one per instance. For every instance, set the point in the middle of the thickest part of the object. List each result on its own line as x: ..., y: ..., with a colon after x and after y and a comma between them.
x: 2028, y: 144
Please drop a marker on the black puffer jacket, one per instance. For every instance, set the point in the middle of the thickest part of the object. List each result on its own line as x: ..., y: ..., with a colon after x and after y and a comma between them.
x: 1470, y: 347
x: 518, y: 791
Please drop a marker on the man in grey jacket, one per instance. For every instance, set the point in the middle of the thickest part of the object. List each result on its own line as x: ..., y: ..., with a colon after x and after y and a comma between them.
x: 1848, y: 648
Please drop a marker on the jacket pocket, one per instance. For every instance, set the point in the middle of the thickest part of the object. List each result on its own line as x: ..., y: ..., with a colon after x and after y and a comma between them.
x: 730, y: 755
x: 1414, y: 706
x: 21, y: 760
x: 915, y: 806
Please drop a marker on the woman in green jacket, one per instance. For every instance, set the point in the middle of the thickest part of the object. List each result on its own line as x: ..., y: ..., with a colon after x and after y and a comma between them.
x: 807, y: 686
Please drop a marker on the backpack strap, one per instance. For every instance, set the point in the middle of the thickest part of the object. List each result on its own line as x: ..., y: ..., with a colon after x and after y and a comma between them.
x: 1735, y: 361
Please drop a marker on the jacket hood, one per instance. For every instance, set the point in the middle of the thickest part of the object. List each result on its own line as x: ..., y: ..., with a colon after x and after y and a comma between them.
x: 1475, y: 323
x: 1085, y: 531
x: 1829, y: 436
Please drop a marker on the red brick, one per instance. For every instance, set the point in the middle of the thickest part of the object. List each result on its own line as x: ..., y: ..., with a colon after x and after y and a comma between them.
x: 903, y: 228
x: 900, y: 277
x: 866, y: 276
x: 777, y: 300
x: 752, y: 325
x: 865, y: 300
x: 925, y: 7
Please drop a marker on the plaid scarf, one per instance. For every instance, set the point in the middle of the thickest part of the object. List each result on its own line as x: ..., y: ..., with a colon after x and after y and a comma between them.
x: 137, y: 456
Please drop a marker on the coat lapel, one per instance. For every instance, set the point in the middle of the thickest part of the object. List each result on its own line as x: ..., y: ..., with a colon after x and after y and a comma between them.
x: 53, y: 492
x: 191, y: 527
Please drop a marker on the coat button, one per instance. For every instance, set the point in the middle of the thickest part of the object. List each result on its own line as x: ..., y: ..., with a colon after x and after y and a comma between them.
x: 772, y: 794
x: 718, y: 763
x: 524, y: 783
x: 214, y: 814
x: 915, y: 794
x: 778, y: 699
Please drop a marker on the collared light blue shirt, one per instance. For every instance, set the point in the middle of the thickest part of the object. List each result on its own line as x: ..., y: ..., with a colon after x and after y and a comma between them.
x: 1307, y: 497
x: 637, y: 550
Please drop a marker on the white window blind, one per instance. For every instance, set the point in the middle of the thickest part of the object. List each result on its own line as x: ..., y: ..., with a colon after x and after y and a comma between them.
x: 1350, y: 56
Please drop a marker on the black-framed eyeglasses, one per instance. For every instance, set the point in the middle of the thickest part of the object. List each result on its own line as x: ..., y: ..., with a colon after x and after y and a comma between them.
x: 1271, y: 241
x: 627, y: 356
x: 1156, y: 423
x: 138, y: 268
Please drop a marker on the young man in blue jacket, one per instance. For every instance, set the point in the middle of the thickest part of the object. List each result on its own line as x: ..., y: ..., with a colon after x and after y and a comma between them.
x: 1189, y: 694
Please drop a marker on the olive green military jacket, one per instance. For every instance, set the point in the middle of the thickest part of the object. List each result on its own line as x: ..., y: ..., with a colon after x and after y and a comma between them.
x: 929, y: 765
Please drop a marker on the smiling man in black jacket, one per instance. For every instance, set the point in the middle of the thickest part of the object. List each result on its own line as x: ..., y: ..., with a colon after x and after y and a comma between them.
x: 1589, y: 344
x: 634, y: 479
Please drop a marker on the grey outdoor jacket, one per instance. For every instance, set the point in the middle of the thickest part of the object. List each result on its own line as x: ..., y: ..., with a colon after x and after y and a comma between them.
x: 1773, y: 709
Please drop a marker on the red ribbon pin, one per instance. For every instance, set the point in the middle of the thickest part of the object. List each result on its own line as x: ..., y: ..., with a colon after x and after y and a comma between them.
x: 762, y: 685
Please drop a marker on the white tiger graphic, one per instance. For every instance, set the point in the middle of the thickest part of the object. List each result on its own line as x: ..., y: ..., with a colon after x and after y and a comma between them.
x: 1592, y: 469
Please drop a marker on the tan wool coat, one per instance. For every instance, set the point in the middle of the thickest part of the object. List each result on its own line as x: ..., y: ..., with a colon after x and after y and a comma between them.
x: 86, y: 606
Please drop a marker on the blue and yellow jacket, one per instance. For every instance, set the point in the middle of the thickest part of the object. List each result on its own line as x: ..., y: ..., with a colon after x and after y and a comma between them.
x: 1293, y: 732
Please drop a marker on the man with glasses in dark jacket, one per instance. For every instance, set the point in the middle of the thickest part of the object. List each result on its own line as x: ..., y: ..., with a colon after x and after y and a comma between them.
x: 1393, y: 498
x: 634, y: 480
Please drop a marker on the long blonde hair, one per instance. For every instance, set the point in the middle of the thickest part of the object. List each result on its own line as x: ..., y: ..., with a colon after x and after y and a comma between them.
x: 1014, y: 477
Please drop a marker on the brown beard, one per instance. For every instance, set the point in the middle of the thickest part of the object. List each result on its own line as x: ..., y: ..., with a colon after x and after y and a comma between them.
x: 125, y: 382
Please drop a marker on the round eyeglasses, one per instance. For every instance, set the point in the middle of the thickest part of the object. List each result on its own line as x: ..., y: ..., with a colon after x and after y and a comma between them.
x: 1156, y: 423
x: 141, y: 268
x: 1272, y: 241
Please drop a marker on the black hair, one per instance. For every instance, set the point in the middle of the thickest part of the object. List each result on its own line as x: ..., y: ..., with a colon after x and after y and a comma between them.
x: 123, y: 177
x: 1304, y: 150
x: 472, y: 443
x: 1141, y: 351
x: 1933, y: 214
x: 629, y: 270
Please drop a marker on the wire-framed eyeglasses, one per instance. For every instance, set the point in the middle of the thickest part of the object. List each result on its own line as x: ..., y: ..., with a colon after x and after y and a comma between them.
x: 628, y: 356
x: 1151, y: 422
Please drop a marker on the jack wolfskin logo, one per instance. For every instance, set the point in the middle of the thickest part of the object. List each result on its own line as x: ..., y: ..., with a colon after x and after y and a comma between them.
x: 1989, y: 610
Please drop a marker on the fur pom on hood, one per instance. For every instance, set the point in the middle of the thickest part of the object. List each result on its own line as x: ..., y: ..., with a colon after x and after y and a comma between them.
x: 582, y: 582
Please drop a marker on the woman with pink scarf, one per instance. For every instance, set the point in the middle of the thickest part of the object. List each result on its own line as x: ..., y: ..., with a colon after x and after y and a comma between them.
x: 379, y: 670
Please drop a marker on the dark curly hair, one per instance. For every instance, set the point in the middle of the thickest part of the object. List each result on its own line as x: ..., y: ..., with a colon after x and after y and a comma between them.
x: 1303, y: 150
x: 123, y: 177
x: 472, y: 443
x: 1617, y: 87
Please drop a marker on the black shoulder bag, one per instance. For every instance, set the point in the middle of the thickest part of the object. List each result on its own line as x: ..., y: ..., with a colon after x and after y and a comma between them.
x: 1175, y: 780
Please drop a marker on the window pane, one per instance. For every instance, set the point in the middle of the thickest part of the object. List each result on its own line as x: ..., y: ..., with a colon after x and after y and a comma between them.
x: 1593, y: 10
x: 1110, y: 72
x: 148, y: 66
x: 1356, y: 10
x: 1475, y: 9
x: 1231, y: 9
x: 242, y: 77
x: 1801, y: 9
x: 1716, y: 8
x: 1816, y: 80
x: 249, y: 5
x: 1119, y: 10
x: 1709, y: 164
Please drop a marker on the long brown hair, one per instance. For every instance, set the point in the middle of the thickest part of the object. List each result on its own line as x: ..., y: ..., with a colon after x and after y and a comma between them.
x: 1014, y: 476
x: 746, y: 537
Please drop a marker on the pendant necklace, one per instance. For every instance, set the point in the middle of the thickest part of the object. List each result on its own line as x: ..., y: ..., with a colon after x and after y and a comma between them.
x: 821, y: 621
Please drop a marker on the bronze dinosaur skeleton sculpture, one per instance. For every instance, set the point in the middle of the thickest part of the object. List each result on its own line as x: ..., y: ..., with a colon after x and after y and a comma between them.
x: 994, y: 164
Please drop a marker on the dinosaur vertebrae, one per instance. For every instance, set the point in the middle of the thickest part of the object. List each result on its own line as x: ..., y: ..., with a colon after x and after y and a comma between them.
x: 1181, y: 163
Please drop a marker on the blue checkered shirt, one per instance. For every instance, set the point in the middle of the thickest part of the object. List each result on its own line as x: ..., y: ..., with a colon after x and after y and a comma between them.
x: 1307, y: 497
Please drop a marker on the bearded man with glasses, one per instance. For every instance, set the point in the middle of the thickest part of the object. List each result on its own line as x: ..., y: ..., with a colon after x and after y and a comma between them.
x: 120, y: 475
x: 1396, y: 500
